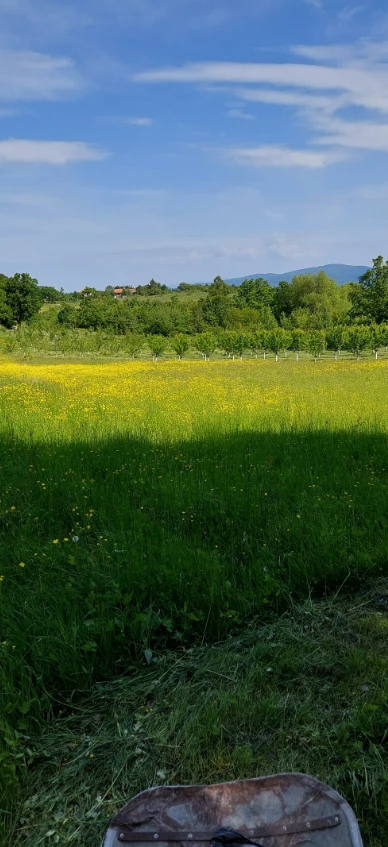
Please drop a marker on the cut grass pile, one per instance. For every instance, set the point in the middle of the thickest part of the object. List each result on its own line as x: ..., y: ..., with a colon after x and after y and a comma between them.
x: 146, y: 510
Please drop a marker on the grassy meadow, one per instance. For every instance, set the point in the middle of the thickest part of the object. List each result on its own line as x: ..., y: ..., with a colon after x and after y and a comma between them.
x: 193, y: 583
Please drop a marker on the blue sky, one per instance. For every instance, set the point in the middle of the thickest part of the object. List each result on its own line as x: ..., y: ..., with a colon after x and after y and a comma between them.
x: 181, y: 139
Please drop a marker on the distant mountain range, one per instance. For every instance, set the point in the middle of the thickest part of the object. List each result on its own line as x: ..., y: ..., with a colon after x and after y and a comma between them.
x: 341, y: 274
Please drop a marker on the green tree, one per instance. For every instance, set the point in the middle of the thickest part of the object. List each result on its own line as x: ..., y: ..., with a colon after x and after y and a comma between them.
x: 241, y: 343
x: 241, y: 318
x: 234, y: 343
x: 50, y: 294
x: 282, y: 300
x: 98, y: 312
x: 157, y: 345
x: 265, y: 341
x: 156, y: 318
x: 278, y: 339
x: 369, y: 297
x: 181, y: 345
x: 219, y: 288
x: 197, y: 318
x: 215, y: 308
x: 336, y: 339
x: 68, y: 316
x: 23, y: 297
x: 11, y: 342
x: 228, y: 343
x: 384, y: 336
x: 359, y: 338
x: 206, y: 343
x: 316, y: 341
x: 259, y: 342
x: 90, y: 292
x: 256, y: 293
x: 133, y: 344
x: 321, y: 297
x: 256, y: 339
x: 5, y: 310
x: 155, y: 288
x: 266, y: 318
x: 298, y: 341
x: 377, y: 337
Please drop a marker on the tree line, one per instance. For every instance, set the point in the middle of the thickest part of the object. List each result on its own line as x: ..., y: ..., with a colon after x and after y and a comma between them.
x: 30, y: 339
x: 311, y: 303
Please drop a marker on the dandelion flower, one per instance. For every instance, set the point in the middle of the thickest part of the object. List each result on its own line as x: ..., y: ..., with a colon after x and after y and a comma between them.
x: 22, y: 565
x: 75, y: 538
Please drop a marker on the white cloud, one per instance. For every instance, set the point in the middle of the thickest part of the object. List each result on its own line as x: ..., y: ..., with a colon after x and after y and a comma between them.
x: 138, y: 121
x: 334, y: 78
x: 362, y: 135
x: 239, y: 113
x: 362, y: 83
x: 281, y: 246
x: 24, y: 151
x: 351, y: 54
x: 36, y: 76
x: 348, y: 12
x: 277, y: 156
x: 291, y: 98
x: 287, y: 74
x: 46, y: 20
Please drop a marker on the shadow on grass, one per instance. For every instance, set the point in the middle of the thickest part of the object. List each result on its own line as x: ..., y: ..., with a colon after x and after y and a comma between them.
x: 176, y: 543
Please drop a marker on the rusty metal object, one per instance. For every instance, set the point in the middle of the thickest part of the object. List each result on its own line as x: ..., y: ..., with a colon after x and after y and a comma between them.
x: 288, y: 810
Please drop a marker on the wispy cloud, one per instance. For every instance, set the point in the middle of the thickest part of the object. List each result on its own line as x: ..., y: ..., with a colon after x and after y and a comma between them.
x: 333, y: 80
x: 290, y: 74
x: 277, y: 156
x: 284, y: 247
x: 138, y: 121
x: 362, y: 135
x: 45, y: 19
x: 348, y: 13
x: 26, y: 75
x: 239, y: 113
x: 24, y: 151
x: 361, y: 83
x: 300, y: 99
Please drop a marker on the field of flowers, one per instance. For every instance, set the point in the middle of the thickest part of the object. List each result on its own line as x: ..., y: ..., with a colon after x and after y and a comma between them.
x: 149, y: 507
x: 170, y: 401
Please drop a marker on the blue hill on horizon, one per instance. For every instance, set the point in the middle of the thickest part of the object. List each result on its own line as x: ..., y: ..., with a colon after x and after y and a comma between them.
x: 341, y: 274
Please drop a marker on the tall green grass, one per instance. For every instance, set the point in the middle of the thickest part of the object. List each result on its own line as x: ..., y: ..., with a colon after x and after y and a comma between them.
x: 175, y: 543
x: 118, y: 548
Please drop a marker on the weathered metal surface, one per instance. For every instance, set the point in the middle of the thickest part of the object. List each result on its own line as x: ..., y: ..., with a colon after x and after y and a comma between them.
x: 264, y: 831
x: 284, y: 808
